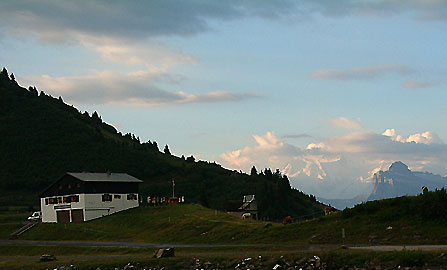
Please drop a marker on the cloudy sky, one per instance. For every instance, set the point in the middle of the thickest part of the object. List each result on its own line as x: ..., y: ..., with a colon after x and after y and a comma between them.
x: 327, y: 91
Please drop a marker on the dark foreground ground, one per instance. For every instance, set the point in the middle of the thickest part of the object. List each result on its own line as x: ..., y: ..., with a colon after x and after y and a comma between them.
x: 114, y: 258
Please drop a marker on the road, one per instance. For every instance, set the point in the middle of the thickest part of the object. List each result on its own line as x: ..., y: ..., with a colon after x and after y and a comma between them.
x: 398, y: 248
x: 154, y: 245
x: 127, y: 244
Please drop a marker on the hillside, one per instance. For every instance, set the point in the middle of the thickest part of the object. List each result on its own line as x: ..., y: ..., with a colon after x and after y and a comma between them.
x: 42, y: 138
x: 405, y: 220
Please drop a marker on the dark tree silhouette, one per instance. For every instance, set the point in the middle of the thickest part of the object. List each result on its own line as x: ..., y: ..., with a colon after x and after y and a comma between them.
x: 155, y: 146
x: 166, y: 150
x: 4, y: 73
x: 33, y: 91
x: 96, y: 117
x: 253, y: 171
x: 13, y: 78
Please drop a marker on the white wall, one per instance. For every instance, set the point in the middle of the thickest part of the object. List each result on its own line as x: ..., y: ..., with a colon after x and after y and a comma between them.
x: 95, y: 207
x: 92, y: 204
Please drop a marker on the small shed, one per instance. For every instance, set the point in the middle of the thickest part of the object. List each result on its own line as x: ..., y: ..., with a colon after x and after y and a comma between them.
x: 78, y: 197
x: 249, y: 208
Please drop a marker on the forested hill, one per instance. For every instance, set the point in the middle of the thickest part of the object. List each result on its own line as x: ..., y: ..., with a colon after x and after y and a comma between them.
x: 42, y: 138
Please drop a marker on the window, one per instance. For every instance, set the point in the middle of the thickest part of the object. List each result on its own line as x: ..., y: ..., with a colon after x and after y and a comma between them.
x: 74, y: 198
x: 52, y: 200
x: 66, y: 199
x: 117, y: 196
x: 132, y: 197
x: 59, y: 200
x: 47, y: 201
x: 106, y: 198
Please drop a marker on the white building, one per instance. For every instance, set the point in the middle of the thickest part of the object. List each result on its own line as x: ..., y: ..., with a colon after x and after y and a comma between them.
x: 78, y: 197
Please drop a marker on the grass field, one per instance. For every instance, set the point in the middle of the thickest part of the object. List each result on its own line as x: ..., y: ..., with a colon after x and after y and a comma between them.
x: 370, y: 224
x: 194, y: 224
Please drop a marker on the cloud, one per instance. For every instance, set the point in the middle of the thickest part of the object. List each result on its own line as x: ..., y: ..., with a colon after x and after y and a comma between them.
x: 132, y: 89
x: 343, y: 122
x: 415, y: 84
x: 67, y: 21
x: 433, y: 10
x: 61, y: 21
x: 340, y: 166
x: 150, y: 54
x: 361, y: 73
x: 425, y: 137
x: 297, y: 136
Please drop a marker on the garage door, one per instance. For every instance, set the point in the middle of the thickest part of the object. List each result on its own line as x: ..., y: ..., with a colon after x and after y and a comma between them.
x: 77, y: 215
x: 63, y: 216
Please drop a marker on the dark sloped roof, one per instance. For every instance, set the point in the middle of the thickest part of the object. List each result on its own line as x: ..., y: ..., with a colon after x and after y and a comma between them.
x: 105, y: 177
x: 244, y: 206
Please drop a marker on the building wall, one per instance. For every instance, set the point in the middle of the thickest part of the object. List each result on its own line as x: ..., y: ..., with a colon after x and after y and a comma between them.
x: 92, y: 205
x: 96, y: 208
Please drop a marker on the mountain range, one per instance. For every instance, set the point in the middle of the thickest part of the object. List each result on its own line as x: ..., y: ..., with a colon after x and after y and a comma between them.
x: 397, y: 181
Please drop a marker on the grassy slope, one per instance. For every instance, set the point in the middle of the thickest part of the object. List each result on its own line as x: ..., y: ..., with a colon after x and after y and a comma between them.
x: 365, y: 224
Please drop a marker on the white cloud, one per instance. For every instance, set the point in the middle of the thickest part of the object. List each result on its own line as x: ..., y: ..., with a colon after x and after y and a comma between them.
x: 340, y: 166
x: 361, y: 73
x: 133, y: 89
x: 150, y: 54
x: 427, y: 137
x: 343, y: 122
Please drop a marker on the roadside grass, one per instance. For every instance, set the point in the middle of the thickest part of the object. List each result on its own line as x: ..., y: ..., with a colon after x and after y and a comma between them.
x: 7, y: 229
x: 13, y: 217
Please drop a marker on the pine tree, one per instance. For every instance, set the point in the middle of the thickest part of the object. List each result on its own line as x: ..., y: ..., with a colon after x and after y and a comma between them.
x: 253, y: 171
x: 190, y: 159
x: 13, y: 78
x: 4, y: 74
x: 166, y: 150
x: 155, y: 146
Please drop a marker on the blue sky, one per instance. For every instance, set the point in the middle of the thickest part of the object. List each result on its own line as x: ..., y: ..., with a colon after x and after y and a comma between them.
x: 313, y: 88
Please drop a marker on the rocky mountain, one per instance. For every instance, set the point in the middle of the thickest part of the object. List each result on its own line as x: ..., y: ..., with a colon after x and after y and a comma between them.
x: 399, y: 180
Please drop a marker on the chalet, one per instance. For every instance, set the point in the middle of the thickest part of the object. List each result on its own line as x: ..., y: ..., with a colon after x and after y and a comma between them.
x: 249, y: 208
x: 78, y: 197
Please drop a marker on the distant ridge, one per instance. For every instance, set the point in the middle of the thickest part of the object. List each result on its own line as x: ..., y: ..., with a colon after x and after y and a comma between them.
x: 399, y: 180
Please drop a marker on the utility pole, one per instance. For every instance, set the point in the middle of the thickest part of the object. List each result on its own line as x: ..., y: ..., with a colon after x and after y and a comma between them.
x: 173, y: 188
